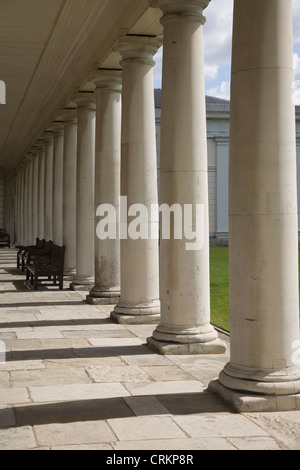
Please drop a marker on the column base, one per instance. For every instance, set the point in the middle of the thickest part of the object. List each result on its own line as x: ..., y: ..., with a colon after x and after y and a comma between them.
x: 102, y: 300
x: 259, y: 391
x: 213, y: 347
x: 69, y: 275
x: 82, y: 284
x: 136, y: 315
x: 103, y: 297
x: 247, y: 403
x: 179, y: 341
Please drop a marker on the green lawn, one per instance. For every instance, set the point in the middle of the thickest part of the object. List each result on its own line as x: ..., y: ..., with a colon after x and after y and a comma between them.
x: 219, y: 290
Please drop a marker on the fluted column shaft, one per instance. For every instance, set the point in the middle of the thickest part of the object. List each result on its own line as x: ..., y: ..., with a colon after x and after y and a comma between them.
x: 139, y: 302
x: 35, y: 196
x: 29, y: 202
x: 263, y: 235
x: 184, y: 271
x: 57, y: 209
x: 86, y: 115
x: 48, y: 187
x: 107, y: 183
x: 69, y: 190
x: 41, y: 190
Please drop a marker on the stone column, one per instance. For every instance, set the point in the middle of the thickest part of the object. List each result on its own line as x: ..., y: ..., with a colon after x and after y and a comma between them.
x: 29, y: 201
x: 264, y: 370
x: 22, y: 204
x: 57, y: 201
x: 48, y: 194
x: 107, y: 183
x: 17, y: 240
x: 86, y: 115
x: 139, y: 302
x: 35, y: 196
x: 41, y: 189
x: 184, y: 267
x: 27, y: 209
x: 69, y: 116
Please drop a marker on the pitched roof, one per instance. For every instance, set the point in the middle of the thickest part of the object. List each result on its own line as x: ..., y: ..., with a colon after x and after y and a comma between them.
x: 213, y: 104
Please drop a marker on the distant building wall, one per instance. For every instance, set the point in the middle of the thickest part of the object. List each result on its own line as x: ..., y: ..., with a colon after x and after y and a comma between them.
x: 217, y: 159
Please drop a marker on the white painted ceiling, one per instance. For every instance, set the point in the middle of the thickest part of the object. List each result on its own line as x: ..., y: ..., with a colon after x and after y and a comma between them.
x: 48, y: 49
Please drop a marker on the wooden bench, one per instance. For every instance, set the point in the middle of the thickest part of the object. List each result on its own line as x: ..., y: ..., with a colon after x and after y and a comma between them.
x: 23, y: 250
x: 30, y: 255
x: 50, y: 267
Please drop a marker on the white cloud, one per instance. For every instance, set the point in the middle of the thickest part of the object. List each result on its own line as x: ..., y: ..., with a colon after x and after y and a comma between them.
x: 158, y: 68
x: 296, y: 21
x: 296, y: 92
x: 211, y: 71
x: 218, y: 33
x: 220, y: 91
x: 297, y: 66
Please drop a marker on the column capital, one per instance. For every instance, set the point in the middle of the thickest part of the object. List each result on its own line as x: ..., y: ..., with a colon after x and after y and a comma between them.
x: 28, y: 157
x: 180, y: 7
x: 47, y: 136
x: 40, y: 143
x: 141, y: 48
x: 34, y: 149
x: 57, y: 127
x: 85, y: 99
x: 69, y: 115
x: 105, y: 79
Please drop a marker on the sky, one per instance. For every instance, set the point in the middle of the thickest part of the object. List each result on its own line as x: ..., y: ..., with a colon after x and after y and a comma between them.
x: 217, y: 49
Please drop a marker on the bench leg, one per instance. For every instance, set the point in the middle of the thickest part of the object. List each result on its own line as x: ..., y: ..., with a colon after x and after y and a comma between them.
x: 36, y: 282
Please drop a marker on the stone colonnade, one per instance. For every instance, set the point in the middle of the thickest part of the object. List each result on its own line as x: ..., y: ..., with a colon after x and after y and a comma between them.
x: 102, y: 151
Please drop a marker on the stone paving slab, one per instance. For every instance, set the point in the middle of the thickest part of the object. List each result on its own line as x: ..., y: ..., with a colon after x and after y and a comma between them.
x: 12, y: 396
x: 118, y: 374
x: 146, y: 427
x: 219, y: 426
x: 166, y: 373
x: 17, y: 438
x: 176, y: 444
x: 7, y: 417
x: 146, y: 406
x: 78, y: 392
x: 22, y: 365
x: 86, y: 432
x: 159, y: 388
x: 75, y: 380
x: 105, y: 447
x: 283, y: 426
x: 72, y: 411
x: 66, y: 363
x: 46, y: 377
x: 4, y: 380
